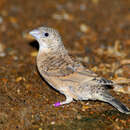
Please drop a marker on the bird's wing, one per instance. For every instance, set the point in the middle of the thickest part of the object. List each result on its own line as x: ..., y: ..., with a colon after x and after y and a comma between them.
x: 103, y: 81
x: 89, y: 77
x: 60, y: 71
x: 69, y: 69
x: 66, y: 67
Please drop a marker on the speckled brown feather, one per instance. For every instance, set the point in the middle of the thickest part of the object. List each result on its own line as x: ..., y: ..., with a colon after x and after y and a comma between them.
x: 60, y: 64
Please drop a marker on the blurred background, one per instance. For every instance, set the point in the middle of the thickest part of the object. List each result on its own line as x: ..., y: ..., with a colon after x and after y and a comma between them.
x: 96, y: 33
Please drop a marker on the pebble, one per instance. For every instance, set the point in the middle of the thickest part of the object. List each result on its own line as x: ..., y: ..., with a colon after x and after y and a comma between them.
x: 13, y: 21
x: 79, y: 117
x: 63, y: 16
x: 1, y: 47
x: 84, y: 28
x: 1, y: 20
x: 53, y: 122
x: 15, y: 58
x: 122, y: 89
x: 82, y: 7
x: 95, y: 1
x: 19, y: 79
x: 2, y: 53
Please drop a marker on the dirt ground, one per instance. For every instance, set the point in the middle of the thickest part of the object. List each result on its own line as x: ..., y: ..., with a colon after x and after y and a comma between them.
x: 96, y: 33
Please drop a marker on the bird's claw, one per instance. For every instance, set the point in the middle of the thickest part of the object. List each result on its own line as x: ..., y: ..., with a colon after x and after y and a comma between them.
x: 57, y: 104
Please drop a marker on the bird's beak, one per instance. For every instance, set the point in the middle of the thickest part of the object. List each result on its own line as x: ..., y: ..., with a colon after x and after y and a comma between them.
x: 35, y: 33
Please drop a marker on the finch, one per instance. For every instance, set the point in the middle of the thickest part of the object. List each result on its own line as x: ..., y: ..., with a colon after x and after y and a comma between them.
x: 68, y: 76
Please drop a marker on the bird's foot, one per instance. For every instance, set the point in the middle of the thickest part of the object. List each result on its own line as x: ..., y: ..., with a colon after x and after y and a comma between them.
x: 67, y: 101
x: 57, y: 104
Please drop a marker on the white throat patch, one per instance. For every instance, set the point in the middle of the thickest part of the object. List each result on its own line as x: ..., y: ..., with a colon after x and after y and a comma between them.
x: 43, y: 47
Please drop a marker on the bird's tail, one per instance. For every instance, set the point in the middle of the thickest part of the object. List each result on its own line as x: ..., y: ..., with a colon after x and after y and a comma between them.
x: 114, y: 102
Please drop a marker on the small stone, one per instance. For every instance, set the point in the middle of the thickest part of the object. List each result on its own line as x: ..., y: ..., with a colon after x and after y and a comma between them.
x: 13, y: 19
x: 19, y: 79
x: 95, y: 1
x: 53, y: 122
x: 84, y: 28
x: 18, y: 91
x: 57, y: 16
x: 1, y: 47
x: 82, y: 7
x: 63, y: 16
x: 66, y: 16
x: 125, y: 61
x: 2, y: 53
x: 40, y: 129
x: 121, y: 88
x: 79, y: 117
x: 86, y: 59
x: 15, y: 57
x: 1, y: 20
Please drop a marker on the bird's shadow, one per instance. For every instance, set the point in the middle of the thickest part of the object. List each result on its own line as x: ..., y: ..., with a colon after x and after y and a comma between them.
x: 34, y: 44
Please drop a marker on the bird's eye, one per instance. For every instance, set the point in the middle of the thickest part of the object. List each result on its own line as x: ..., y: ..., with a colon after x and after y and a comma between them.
x: 46, y: 34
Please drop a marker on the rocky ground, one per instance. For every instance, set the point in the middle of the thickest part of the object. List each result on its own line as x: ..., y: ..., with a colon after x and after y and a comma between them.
x: 96, y: 33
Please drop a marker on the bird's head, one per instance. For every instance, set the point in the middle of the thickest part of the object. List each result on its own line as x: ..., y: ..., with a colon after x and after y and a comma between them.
x: 47, y: 38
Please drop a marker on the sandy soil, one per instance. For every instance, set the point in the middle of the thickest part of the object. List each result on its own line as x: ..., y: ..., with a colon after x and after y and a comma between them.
x: 96, y: 32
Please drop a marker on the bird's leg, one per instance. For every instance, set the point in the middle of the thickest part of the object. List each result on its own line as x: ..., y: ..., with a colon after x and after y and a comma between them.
x: 68, y: 100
